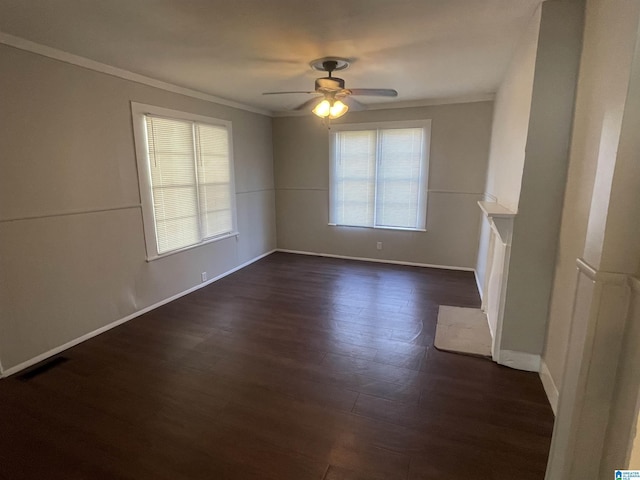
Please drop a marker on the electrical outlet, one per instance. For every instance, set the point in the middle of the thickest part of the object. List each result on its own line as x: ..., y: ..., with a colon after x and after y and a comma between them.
x: 204, y: 276
x: 379, y: 245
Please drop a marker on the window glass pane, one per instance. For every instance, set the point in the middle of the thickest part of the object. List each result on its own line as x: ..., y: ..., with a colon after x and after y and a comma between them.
x: 186, y: 178
x: 172, y: 167
x: 175, y: 202
x: 215, y: 198
x: 218, y: 222
x: 213, y: 143
x: 379, y: 178
x: 399, y: 177
x: 176, y: 233
x: 214, y: 180
x: 354, y: 178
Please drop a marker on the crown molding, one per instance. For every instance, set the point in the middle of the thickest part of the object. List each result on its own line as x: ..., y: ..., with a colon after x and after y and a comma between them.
x: 60, y: 55
x: 66, y: 57
x: 430, y: 102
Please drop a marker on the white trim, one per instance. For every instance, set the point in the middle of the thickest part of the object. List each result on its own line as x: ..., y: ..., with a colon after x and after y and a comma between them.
x: 430, y: 102
x: 501, y: 293
x: 376, y: 227
x: 54, y: 351
x: 519, y: 360
x: 495, y: 210
x: 549, y: 386
x: 491, y: 331
x: 70, y: 58
x: 71, y: 212
x: 401, y: 229
x: 206, y: 241
x: 587, y: 269
x: 89, y: 64
x: 138, y: 113
x: 487, y: 197
x: 429, y: 190
x: 453, y: 192
x: 377, y: 260
x: 377, y: 128
x: 386, y: 125
x: 599, y: 276
x: 480, y: 292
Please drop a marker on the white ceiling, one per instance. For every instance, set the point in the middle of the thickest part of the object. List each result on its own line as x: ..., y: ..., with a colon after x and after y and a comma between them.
x: 425, y: 49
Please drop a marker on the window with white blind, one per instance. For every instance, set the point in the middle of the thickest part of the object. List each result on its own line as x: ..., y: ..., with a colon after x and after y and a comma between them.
x: 379, y: 175
x: 185, y: 167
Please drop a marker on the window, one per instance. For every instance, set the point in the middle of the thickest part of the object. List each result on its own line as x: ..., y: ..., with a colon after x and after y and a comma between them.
x: 185, y: 167
x: 379, y: 175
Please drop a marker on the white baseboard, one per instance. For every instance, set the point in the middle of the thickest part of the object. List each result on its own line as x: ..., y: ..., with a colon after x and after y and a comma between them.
x: 549, y: 386
x: 377, y: 260
x: 54, y: 351
x: 519, y: 360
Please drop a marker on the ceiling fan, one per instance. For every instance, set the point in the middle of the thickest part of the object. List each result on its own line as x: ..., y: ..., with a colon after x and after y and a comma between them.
x: 335, y: 100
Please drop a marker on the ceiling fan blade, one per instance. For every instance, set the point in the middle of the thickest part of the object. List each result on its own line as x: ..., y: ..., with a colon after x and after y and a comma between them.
x: 353, y: 104
x: 279, y: 93
x: 309, y: 103
x: 374, y: 92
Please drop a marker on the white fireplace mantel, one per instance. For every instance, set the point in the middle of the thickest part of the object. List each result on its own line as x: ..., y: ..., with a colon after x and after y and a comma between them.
x: 496, y: 278
x: 500, y: 218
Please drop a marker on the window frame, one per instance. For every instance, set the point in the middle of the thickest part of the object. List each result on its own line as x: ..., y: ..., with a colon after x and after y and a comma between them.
x: 425, y: 124
x: 138, y: 113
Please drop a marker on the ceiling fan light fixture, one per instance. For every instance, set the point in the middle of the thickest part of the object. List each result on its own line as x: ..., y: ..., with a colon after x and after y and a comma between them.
x: 332, y: 91
x: 330, y: 108
x: 322, y: 109
x: 338, y: 109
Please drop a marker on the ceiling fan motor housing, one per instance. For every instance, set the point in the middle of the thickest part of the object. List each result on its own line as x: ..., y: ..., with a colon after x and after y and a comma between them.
x: 329, y: 84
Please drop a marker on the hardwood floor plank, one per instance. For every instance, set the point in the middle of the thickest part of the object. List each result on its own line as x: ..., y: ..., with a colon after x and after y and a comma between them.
x: 293, y: 368
x: 475, y: 430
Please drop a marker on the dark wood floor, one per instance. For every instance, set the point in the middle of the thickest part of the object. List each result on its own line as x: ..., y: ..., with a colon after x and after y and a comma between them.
x: 294, y: 368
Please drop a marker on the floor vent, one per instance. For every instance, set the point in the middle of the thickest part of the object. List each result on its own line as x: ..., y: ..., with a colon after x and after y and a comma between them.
x: 41, y: 368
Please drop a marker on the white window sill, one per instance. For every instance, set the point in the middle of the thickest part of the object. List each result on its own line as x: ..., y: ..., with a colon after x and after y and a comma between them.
x: 402, y: 229
x: 190, y: 247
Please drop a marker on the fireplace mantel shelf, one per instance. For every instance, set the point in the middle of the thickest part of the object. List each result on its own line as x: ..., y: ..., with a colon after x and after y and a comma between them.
x: 500, y: 218
x: 495, y: 210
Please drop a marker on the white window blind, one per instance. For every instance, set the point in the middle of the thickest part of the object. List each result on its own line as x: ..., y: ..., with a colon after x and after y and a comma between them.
x: 354, y: 188
x: 379, y: 178
x: 190, y: 181
x: 399, y: 178
x: 186, y: 179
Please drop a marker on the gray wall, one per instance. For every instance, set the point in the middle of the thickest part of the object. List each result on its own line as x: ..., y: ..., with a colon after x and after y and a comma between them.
x: 511, y: 121
x: 537, y: 224
x: 72, y: 255
x: 509, y: 136
x: 460, y: 136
